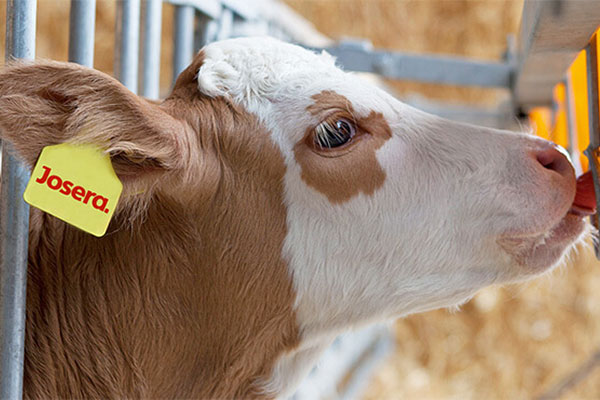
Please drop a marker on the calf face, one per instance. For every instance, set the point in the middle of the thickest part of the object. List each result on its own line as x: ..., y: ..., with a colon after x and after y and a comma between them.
x: 391, y: 210
x: 311, y: 201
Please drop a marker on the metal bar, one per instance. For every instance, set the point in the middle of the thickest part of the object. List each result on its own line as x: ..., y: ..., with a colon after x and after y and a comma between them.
x: 14, y: 220
x: 127, y: 43
x: 497, y: 117
x: 207, y: 28
x: 14, y: 231
x: 573, y: 379
x: 343, y: 368
x: 184, y: 39
x: 82, y: 22
x: 205, y: 31
x: 552, y: 34
x: 151, y: 35
x: 573, y: 147
x: 244, y: 9
x: 424, y: 68
x: 592, y: 88
x: 367, y: 365
x: 225, y: 24
x: 20, y: 29
x: 593, y: 152
x: 210, y: 8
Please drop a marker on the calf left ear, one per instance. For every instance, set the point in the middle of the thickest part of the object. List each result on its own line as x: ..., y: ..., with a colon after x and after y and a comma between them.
x: 43, y: 104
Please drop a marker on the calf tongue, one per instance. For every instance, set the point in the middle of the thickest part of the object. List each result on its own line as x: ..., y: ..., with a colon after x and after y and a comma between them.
x: 585, y: 196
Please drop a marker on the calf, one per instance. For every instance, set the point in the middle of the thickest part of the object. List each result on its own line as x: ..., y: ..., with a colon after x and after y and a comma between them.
x: 271, y: 202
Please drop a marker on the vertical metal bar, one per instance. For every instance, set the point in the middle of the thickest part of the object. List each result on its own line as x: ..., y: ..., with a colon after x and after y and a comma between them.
x: 225, y: 24
x: 573, y: 147
x: 82, y: 22
x: 593, y: 152
x: 184, y: 39
x: 592, y: 87
x: 205, y: 32
x: 127, y: 43
x: 151, y: 34
x: 14, y: 221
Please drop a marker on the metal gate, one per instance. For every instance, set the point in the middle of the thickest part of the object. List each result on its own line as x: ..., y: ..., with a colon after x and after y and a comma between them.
x: 197, y: 22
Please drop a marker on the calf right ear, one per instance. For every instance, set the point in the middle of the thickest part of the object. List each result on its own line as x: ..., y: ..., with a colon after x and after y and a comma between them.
x: 43, y: 104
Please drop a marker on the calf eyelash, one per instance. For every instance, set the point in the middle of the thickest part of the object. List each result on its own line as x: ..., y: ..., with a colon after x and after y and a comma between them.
x: 331, y: 134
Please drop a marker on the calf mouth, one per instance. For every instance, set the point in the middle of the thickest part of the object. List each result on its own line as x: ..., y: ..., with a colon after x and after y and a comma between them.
x: 541, y: 251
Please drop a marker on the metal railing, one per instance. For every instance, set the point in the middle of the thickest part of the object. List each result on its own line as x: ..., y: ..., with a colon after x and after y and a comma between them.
x: 198, y: 22
x: 82, y: 21
x: 14, y: 220
x: 362, y: 57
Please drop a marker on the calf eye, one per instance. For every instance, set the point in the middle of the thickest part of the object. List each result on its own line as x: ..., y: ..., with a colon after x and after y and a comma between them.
x: 332, y: 134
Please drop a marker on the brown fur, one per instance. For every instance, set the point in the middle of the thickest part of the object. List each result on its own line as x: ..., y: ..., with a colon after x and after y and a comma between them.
x: 192, y: 300
x: 329, y: 172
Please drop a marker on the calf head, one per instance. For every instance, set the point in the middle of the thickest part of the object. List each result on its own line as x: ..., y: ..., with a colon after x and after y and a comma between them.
x: 302, y: 186
x: 391, y: 210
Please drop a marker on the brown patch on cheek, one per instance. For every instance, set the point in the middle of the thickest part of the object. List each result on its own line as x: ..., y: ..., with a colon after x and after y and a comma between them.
x: 343, y: 174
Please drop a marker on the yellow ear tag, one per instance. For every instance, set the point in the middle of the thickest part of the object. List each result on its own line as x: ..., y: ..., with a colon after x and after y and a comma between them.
x: 77, y: 184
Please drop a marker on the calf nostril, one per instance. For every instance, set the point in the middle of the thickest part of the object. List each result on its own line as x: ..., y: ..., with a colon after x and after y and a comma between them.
x: 555, y: 160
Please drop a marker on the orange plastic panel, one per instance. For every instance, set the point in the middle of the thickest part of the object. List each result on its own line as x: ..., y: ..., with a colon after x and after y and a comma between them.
x: 540, y: 119
x: 559, y: 133
x: 577, y: 76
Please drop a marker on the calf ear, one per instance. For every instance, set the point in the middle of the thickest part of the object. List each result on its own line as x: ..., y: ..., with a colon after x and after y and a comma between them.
x: 48, y: 103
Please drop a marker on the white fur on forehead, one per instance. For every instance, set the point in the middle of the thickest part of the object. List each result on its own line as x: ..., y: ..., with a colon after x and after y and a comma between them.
x: 258, y: 67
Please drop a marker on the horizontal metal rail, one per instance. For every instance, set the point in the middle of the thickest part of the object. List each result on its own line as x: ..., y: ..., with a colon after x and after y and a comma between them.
x: 552, y: 34
x: 500, y: 116
x: 210, y: 8
x: 423, y: 68
x: 213, y: 8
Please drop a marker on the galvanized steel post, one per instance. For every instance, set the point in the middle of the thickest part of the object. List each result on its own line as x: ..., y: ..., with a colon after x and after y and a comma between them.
x: 14, y: 220
x: 184, y: 38
x: 205, y: 32
x: 573, y: 146
x: 225, y: 24
x: 127, y: 38
x: 593, y: 150
x: 82, y: 22
x: 151, y: 35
